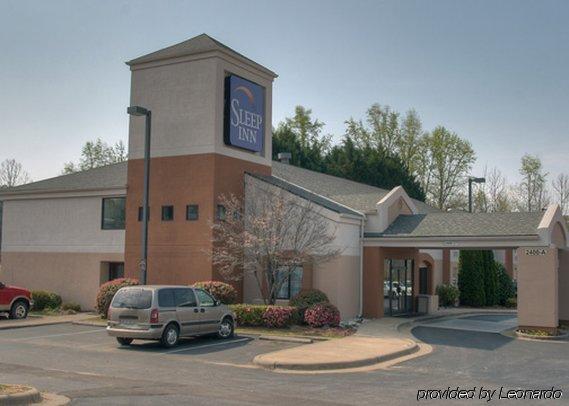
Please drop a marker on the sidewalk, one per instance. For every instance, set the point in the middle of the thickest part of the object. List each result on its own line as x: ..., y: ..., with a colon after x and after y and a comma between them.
x: 343, y: 353
x: 33, y: 321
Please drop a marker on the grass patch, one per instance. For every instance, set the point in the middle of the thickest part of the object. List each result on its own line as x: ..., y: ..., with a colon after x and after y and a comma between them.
x: 51, y: 312
x: 303, y: 331
x: 96, y: 320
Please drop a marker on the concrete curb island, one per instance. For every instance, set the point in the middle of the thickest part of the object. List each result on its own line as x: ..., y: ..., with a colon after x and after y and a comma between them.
x: 28, y: 396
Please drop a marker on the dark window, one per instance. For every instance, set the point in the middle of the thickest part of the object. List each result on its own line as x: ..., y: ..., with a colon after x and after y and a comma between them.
x: 166, y: 298
x: 116, y: 270
x: 132, y: 298
x: 220, y: 212
x: 192, y: 212
x: 140, y: 213
x: 113, y: 213
x: 205, y: 299
x: 423, y: 280
x: 167, y: 213
x: 292, y: 283
x: 185, y: 298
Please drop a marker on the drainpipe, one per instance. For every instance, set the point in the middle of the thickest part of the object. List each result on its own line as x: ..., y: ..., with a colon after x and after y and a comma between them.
x: 361, y: 310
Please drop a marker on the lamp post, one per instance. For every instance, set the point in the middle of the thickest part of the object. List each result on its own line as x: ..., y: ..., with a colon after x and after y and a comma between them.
x: 470, y: 181
x: 141, y: 111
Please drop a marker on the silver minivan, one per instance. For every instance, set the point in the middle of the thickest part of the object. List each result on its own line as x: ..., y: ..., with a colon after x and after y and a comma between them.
x: 166, y: 313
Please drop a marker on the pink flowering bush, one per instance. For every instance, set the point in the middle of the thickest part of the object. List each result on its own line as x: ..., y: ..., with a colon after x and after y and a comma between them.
x: 222, y: 291
x: 107, y: 292
x: 278, y: 316
x: 322, y: 314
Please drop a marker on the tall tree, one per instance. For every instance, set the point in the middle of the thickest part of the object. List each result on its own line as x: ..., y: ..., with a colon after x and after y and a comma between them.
x: 561, y: 188
x: 493, y: 195
x: 12, y: 174
x: 97, y: 153
x: 450, y: 159
x: 409, y: 143
x: 532, y: 191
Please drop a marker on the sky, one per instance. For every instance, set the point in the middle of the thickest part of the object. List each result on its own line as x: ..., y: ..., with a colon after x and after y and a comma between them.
x: 494, y: 72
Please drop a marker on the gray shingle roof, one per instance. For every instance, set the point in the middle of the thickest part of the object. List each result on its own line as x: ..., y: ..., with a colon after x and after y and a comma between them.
x: 461, y: 224
x: 305, y: 194
x: 196, y: 45
x: 357, y: 196
x: 106, y: 177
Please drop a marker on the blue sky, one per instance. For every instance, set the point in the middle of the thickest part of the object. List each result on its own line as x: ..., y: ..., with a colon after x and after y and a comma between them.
x: 495, y: 72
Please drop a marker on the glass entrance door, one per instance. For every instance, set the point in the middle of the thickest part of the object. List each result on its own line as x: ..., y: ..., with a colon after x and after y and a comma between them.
x: 398, y: 287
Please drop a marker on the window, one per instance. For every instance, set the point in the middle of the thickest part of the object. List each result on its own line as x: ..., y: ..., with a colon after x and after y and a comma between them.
x: 132, y: 298
x: 140, y: 213
x: 192, y: 212
x: 185, y: 298
x: 292, y: 285
x: 205, y: 299
x: 166, y: 298
x: 220, y: 212
x: 167, y: 213
x: 116, y: 270
x: 113, y: 216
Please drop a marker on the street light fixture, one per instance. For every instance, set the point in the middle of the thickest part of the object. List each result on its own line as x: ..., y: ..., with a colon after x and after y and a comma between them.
x: 141, y: 111
x: 472, y: 180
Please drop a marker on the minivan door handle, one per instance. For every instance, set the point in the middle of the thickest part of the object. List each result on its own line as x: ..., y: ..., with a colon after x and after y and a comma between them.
x: 195, y: 310
x: 202, y: 310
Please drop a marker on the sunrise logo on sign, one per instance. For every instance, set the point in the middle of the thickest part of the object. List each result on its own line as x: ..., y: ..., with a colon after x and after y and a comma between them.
x: 244, y: 114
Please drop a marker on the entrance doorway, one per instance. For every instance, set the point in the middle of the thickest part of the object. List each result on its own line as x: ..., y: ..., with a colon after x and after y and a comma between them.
x: 398, y: 287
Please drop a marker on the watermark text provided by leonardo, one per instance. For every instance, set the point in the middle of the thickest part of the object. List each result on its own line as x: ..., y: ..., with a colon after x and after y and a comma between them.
x: 488, y: 394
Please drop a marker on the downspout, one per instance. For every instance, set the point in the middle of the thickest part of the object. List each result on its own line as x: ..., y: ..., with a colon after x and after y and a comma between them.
x: 361, y: 309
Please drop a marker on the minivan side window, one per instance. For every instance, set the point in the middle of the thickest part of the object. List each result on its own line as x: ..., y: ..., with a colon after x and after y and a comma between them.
x: 205, y: 299
x: 185, y: 298
x: 166, y: 298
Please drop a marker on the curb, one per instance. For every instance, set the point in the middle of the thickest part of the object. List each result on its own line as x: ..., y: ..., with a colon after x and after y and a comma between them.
x: 49, y: 323
x: 560, y: 337
x: 411, y: 348
x: 88, y: 323
x: 31, y: 395
x: 287, y: 339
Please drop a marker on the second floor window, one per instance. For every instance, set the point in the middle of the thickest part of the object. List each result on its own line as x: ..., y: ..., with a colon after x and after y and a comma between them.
x: 192, y: 212
x: 167, y: 213
x: 113, y: 213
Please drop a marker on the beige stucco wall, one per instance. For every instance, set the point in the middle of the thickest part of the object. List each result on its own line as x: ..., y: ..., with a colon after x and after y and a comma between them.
x: 538, y: 287
x: 564, y: 285
x: 186, y: 97
x: 74, y: 276
x: 57, y: 225
x: 339, y: 279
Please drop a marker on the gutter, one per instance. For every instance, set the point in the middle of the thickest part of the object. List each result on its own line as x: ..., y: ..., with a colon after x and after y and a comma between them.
x: 361, y: 304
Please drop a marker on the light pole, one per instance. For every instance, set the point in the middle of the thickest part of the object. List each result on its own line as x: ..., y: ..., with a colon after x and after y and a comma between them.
x: 470, y: 181
x: 141, y: 111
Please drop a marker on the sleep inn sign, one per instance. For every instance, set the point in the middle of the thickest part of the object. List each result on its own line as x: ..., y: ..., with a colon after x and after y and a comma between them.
x: 244, y: 114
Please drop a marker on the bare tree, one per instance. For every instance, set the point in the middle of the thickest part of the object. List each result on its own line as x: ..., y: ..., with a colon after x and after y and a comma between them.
x: 493, y: 195
x: 269, y: 236
x: 13, y: 174
x: 561, y: 189
x: 532, y: 191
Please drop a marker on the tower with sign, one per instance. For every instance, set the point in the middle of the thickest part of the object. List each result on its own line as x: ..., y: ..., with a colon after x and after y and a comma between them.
x: 211, y: 123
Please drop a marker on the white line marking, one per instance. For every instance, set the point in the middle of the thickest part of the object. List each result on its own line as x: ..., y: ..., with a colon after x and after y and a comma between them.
x: 206, y: 345
x: 61, y: 335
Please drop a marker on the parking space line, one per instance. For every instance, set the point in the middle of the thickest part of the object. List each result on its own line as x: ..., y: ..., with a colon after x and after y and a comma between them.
x: 62, y: 334
x: 207, y: 345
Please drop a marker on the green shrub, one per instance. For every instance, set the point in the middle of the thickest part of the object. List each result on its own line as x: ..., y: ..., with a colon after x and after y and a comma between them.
x: 45, y: 300
x: 223, y: 292
x: 506, y: 286
x: 511, y: 302
x: 471, y: 279
x: 107, y: 292
x: 305, y: 299
x: 71, y: 306
x: 249, y: 315
x: 448, y: 295
x: 490, y: 277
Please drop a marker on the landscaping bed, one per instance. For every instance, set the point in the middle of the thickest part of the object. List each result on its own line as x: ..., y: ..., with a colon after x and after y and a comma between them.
x: 302, y: 331
x: 542, y: 334
x: 12, y: 389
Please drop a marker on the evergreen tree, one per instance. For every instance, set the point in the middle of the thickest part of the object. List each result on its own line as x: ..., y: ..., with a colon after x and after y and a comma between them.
x: 506, y: 286
x: 471, y: 279
x: 490, y: 277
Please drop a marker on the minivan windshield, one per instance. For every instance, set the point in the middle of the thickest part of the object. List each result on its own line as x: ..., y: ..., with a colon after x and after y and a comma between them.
x: 133, y: 298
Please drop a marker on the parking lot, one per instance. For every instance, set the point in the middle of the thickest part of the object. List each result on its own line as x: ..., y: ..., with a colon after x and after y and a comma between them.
x: 83, y: 363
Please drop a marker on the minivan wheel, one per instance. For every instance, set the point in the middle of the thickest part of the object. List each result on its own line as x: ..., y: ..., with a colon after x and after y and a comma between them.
x: 19, y: 310
x: 124, y: 340
x: 226, y: 328
x: 170, y: 336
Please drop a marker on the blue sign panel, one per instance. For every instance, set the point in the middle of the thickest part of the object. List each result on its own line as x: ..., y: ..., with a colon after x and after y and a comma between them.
x: 244, y: 114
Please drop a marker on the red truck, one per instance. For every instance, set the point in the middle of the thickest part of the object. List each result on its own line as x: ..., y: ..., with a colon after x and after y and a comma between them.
x: 15, y: 301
